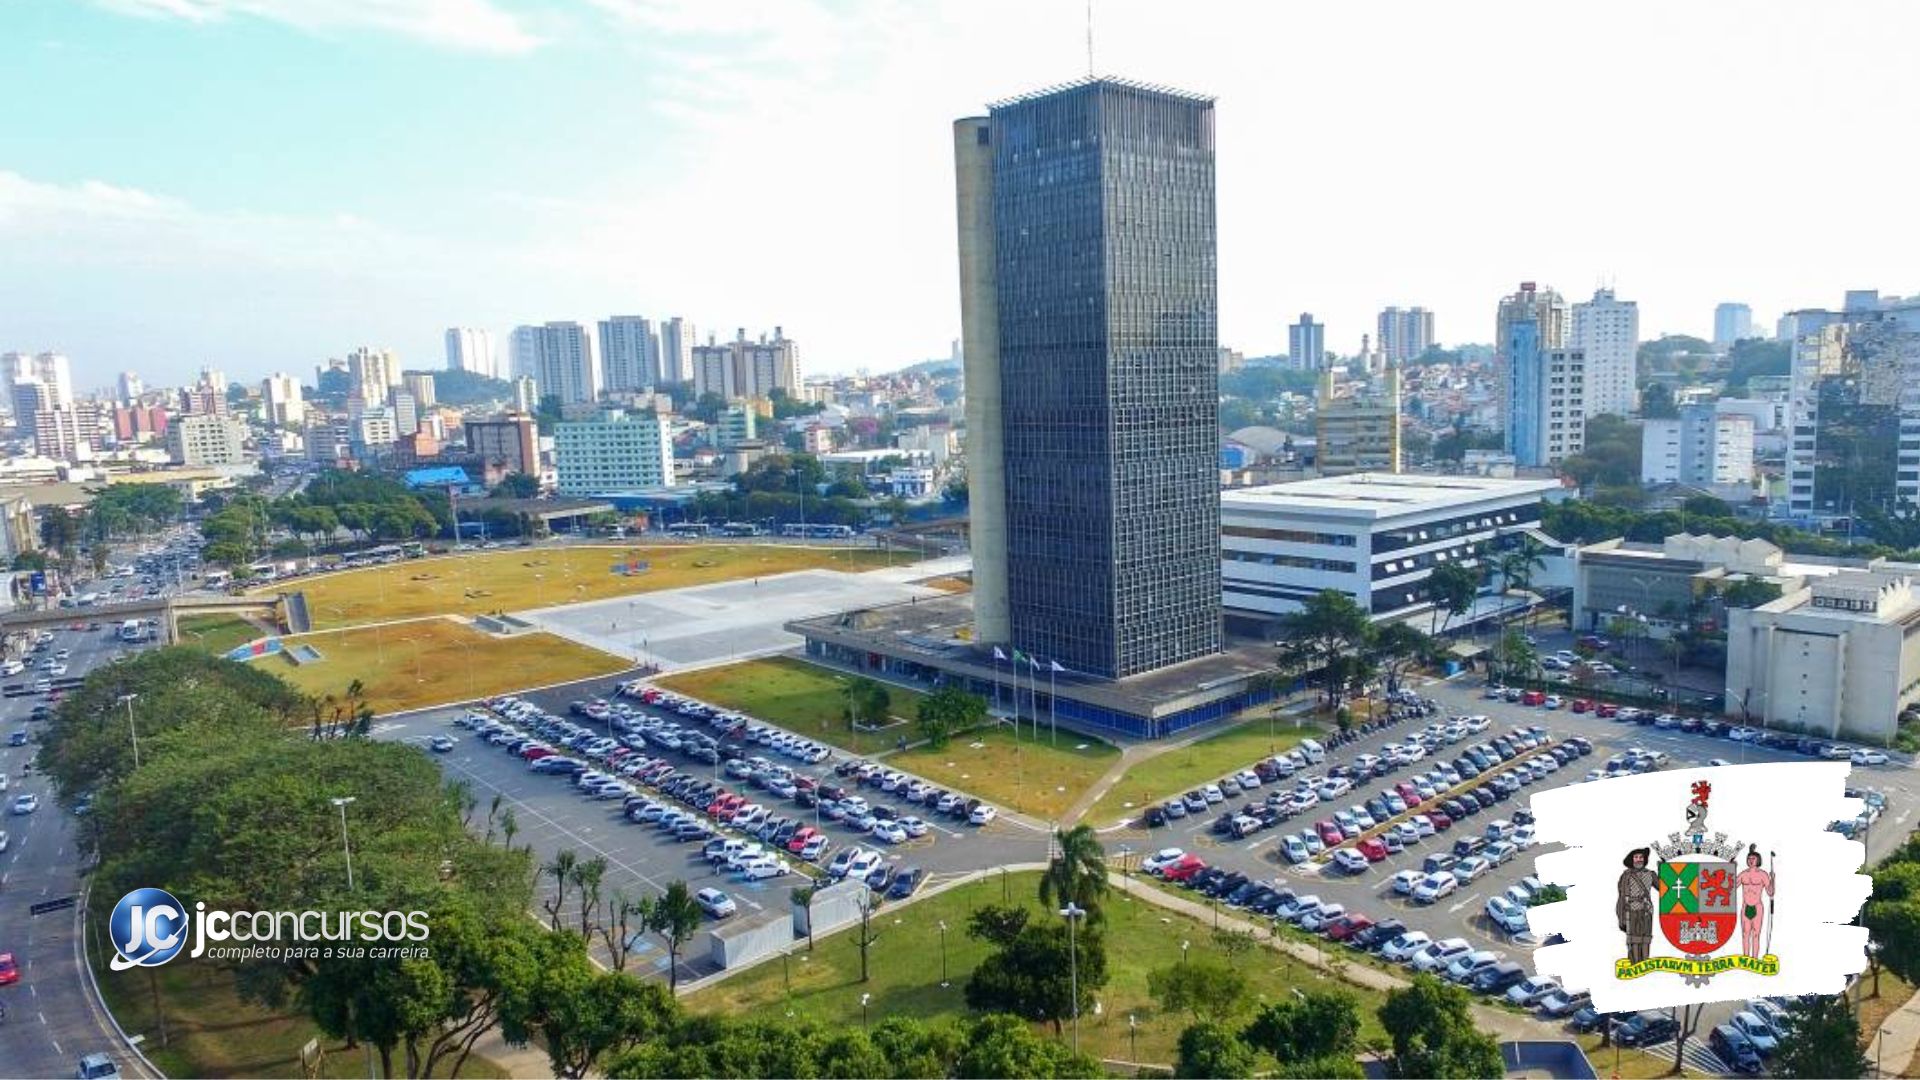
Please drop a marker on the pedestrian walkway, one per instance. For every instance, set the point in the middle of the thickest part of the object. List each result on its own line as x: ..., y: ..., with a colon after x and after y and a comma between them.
x: 1897, y: 1040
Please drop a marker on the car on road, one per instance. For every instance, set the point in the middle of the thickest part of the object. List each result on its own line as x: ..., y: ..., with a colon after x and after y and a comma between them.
x: 441, y: 744
x: 1435, y: 887
x: 1350, y: 861
x: 9, y: 970
x: 26, y: 804
x: 1869, y: 757
x: 715, y: 903
x: 97, y: 1067
x: 17, y: 738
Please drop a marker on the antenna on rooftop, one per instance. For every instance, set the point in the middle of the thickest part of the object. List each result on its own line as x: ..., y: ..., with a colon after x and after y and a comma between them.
x: 1089, y: 39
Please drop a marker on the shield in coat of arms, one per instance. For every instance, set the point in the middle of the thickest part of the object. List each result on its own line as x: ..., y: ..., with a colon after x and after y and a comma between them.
x: 1697, y: 904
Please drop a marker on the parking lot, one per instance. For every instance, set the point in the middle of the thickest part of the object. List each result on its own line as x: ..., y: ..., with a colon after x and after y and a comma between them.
x: 552, y: 813
x: 1461, y: 912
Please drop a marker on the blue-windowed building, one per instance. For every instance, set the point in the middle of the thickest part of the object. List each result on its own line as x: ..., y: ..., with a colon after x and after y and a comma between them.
x: 1089, y: 310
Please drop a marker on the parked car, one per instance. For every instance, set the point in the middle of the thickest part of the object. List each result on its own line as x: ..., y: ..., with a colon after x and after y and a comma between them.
x: 715, y: 903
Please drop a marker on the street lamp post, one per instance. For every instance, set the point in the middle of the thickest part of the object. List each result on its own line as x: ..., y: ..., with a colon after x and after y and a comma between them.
x: 864, y: 999
x: 1183, y: 950
x: 943, y: 954
x: 1073, y: 914
x: 1133, y: 1042
x: 132, y: 733
x: 341, y: 802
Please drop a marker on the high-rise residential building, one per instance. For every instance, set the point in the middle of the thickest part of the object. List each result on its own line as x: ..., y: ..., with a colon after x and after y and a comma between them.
x: 51, y: 369
x: 471, y: 350
x: 743, y: 368
x: 1405, y: 333
x: 420, y: 385
x: 70, y: 432
x: 523, y: 352
x: 130, y: 387
x: 737, y: 424
x: 215, y: 379
x: 406, y: 412
x: 374, y: 372
x: 1545, y: 408
x: 1731, y: 323
x: 284, y: 405
x: 29, y: 396
x: 526, y: 394
x: 676, y: 343
x: 1089, y: 315
x: 207, y: 439
x: 1530, y: 303
x: 564, y: 360
x: 1307, y: 344
x: 374, y: 430
x: 1702, y: 447
x: 1359, y: 433
x: 512, y: 440
x: 1607, y: 329
x: 619, y: 451
x: 1853, y: 417
x: 629, y: 353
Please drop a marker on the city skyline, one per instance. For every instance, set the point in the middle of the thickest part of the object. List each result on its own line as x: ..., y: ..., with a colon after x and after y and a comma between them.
x: 121, y: 229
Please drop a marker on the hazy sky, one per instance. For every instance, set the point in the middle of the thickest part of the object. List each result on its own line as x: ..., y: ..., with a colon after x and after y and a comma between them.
x: 258, y: 184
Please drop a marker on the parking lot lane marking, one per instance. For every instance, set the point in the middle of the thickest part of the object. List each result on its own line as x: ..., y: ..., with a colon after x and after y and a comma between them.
x: 1464, y: 903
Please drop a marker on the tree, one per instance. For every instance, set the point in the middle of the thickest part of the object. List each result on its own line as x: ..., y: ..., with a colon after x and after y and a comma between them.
x: 866, y: 701
x: 1328, y: 626
x: 1318, y: 1024
x: 1547, y: 894
x: 708, y: 407
x: 1432, y: 1028
x: 676, y: 918
x: 1451, y: 587
x: 1656, y: 403
x: 1515, y: 655
x: 516, y: 486
x: 1517, y: 564
x: 59, y: 529
x: 560, y: 869
x: 1209, y: 1050
x: 1749, y: 593
x: 947, y: 711
x: 1206, y: 989
x: 1030, y: 975
x: 1822, y: 1039
x: 583, y: 1014
x: 1397, y: 646
x: 1077, y: 872
x: 1003, y: 1046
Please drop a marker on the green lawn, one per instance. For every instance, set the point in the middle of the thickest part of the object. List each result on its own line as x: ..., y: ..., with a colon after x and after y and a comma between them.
x: 905, y: 970
x: 516, y: 579
x: 411, y: 665
x: 212, y: 1032
x: 1040, y: 775
x: 217, y: 634
x: 1187, y: 767
x: 799, y: 697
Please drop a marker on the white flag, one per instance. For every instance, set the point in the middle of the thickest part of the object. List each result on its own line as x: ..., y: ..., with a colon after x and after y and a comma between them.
x: 1699, y: 885
x: 997, y: 654
x: 1055, y: 665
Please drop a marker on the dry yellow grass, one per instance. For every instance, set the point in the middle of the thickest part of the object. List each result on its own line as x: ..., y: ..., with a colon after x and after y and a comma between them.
x: 517, y: 579
x: 433, y: 661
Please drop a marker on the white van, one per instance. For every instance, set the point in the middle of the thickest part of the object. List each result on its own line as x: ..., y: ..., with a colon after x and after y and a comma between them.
x: 1314, y: 751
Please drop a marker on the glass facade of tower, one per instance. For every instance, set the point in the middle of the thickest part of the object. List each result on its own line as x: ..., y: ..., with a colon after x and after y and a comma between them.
x: 1104, y: 231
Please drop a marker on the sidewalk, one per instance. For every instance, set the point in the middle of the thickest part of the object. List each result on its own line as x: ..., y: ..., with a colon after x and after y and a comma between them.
x: 1898, y: 1038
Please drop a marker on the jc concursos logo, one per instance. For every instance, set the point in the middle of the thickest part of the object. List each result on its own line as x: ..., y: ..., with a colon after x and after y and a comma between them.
x: 148, y: 927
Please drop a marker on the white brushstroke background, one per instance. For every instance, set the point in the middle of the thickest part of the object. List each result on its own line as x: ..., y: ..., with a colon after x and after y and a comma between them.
x: 1783, y: 808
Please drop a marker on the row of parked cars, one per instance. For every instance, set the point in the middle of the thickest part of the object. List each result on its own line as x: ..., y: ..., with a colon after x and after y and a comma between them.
x: 1744, y: 1043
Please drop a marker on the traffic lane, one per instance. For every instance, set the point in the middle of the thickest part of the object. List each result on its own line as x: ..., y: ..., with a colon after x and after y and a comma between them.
x: 52, y: 1019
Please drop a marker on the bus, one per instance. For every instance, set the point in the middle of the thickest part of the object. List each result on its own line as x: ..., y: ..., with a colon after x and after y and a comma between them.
x: 818, y: 532
x: 739, y: 528
x: 689, y: 528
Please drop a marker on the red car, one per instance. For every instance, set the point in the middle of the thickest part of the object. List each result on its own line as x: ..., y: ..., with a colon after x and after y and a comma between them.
x: 535, y: 753
x: 1188, y: 865
x: 1606, y: 710
x: 800, y: 838
x: 1581, y: 704
x: 1373, y: 848
x: 1330, y: 833
x: 1407, y: 792
x: 1441, y: 822
x: 9, y: 971
x: 1533, y: 697
x: 1346, y: 926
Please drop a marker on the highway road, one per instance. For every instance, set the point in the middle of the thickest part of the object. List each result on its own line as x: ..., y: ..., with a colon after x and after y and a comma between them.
x: 52, y: 1018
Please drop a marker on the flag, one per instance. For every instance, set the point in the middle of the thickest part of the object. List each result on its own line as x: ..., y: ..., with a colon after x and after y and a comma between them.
x: 1018, y: 656
x: 1054, y: 666
x: 1033, y: 663
x: 997, y: 654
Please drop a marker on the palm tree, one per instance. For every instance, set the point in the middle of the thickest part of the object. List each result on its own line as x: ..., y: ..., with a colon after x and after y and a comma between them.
x: 1452, y: 585
x: 1077, y: 873
x: 675, y: 916
x: 561, y: 871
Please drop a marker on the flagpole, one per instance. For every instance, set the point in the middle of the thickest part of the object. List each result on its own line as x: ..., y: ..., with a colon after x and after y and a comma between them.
x: 1053, y: 697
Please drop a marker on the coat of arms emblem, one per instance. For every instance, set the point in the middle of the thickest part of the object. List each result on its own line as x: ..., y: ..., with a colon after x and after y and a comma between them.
x: 1693, y: 886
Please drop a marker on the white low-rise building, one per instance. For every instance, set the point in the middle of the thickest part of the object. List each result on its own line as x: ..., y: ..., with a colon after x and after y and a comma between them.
x: 1374, y: 536
x: 617, y: 452
x: 1840, y: 657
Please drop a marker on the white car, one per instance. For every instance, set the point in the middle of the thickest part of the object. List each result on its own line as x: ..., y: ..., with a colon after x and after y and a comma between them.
x: 1406, y: 881
x: 715, y: 903
x: 26, y: 804
x: 861, y: 863
x: 4, y: 840
x: 1299, y: 909
x: 1161, y: 859
x: 889, y: 832
x: 1350, y: 861
x: 1434, y: 887
x: 1294, y: 850
x: 1316, y: 920
x: 982, y: 814
x: 1532, y: 991
x: 1423, y: 823
x: 1402, y: 948
x: 1869, y: 757
x: 1436, y: 957
x: 913, y: 827
x: 1464, y: 968
x: 1507, y: 915
x: 762, y: 868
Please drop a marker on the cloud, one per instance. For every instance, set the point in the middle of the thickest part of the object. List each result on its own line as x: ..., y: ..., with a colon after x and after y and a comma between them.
x: 465, y: 25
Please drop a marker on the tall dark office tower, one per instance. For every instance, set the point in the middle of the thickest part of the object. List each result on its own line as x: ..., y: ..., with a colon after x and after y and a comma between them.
x: 1089, y: 314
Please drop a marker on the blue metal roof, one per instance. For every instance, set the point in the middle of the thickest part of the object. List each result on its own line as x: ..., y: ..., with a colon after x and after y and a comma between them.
x: 440, y: 476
